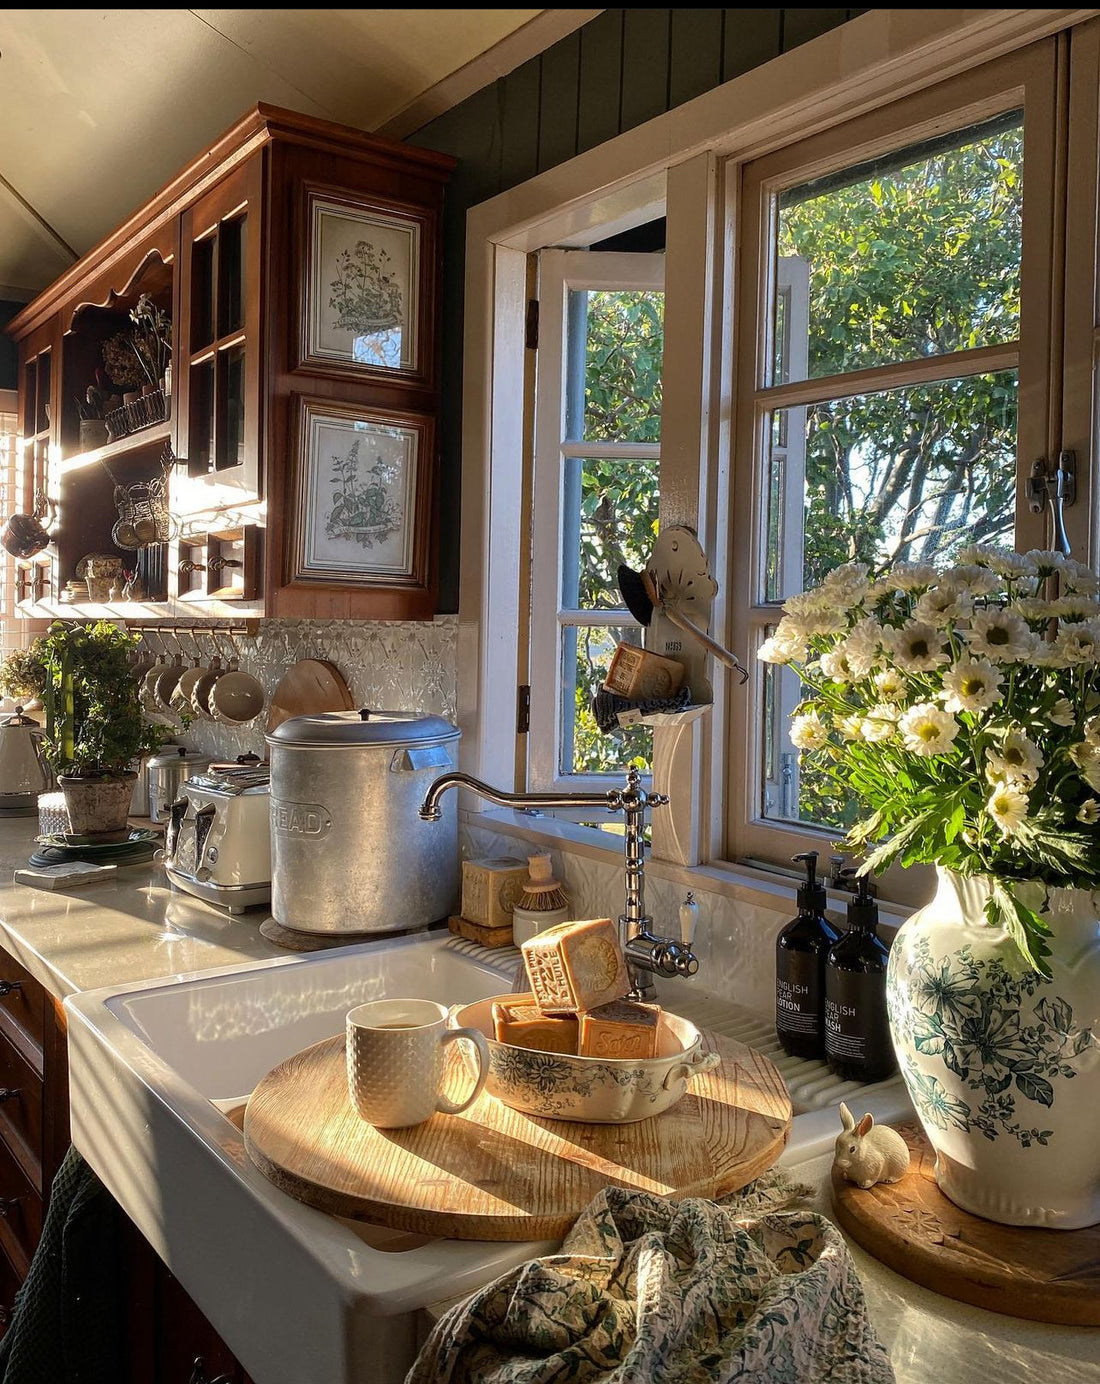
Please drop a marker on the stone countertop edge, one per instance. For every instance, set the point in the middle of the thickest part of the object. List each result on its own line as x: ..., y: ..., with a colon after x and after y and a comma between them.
x: 130, y: 928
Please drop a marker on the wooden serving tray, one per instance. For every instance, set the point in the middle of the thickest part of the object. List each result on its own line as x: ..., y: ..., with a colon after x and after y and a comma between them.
x: 1043, y: 1275
x: 492, y: 1173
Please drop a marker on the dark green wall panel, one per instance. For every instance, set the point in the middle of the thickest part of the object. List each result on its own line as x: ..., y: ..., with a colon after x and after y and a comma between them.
x: 622, y: 68
x: 752, y: 39
x: 9, y: 352
x: 601, y: 75
x: 558, y: 98
x: 695, y: 54
x: 645, y: 66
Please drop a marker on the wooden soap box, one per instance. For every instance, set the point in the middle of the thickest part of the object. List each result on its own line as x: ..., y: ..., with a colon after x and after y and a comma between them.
x: 477, y: 932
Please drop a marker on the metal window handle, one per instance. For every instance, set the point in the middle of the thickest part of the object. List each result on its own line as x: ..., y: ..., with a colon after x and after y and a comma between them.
x: 1056, y: 487
x: 7, y: 987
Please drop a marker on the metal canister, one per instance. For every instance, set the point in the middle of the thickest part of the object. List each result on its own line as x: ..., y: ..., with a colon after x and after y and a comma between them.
x: 166, y: 772
x: 349, y: 852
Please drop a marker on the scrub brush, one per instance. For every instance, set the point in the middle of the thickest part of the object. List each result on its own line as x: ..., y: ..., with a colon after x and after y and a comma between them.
x: 541, y: 892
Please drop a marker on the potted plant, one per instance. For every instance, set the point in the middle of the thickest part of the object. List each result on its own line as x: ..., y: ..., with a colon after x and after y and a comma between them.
x: 95, y: 729
x: 23, y: 675
x: 959, y: 709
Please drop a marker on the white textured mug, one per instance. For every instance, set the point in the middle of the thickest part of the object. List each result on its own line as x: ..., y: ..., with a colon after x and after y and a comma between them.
x: 395, y: 1061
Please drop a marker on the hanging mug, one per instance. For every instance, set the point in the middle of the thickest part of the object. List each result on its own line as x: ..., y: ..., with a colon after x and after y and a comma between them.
x: 25, y: 535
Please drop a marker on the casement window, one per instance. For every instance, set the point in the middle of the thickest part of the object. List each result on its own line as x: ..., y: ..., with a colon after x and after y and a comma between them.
x: 880, y: 331
x: 894, y: 381
x: 597, y: 455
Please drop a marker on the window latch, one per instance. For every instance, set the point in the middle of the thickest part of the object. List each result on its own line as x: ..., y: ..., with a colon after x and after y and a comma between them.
x: 1055, y: 486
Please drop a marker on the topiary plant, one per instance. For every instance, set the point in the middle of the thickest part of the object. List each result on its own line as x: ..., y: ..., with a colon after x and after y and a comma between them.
x: 95, y: 728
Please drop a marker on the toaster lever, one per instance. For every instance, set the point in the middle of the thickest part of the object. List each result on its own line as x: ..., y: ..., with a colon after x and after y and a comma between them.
x: 204, y: 820
x: 176, y: 814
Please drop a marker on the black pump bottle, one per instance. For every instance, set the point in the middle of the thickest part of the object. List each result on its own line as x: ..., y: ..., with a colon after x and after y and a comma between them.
x: 800, y: 952
x: 857, y: 1034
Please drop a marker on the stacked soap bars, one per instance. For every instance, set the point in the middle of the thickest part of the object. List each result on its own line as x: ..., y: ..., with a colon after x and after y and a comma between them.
x: 578, y: 978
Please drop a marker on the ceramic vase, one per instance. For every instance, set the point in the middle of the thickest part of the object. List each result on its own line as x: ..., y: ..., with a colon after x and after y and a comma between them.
x: 1002, y: 1065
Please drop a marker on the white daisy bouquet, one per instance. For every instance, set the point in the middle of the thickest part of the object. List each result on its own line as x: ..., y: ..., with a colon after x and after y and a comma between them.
x: 959, y: 708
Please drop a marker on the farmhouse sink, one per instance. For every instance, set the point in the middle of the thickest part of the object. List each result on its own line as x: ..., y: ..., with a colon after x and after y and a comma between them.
x: 159, y: 1075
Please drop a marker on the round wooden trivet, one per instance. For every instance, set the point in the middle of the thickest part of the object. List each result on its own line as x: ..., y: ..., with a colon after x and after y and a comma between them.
x: 1044, y: 1275
x: 492, y: 1173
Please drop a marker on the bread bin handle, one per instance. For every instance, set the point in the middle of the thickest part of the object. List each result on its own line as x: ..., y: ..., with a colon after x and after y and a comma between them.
x: 416, y: 757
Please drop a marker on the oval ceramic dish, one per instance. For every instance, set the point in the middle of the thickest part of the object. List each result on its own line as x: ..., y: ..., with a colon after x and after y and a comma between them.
x: 594, y: 1090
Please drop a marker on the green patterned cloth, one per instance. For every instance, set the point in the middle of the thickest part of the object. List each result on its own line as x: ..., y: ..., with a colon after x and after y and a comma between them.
x: 651, y: 1291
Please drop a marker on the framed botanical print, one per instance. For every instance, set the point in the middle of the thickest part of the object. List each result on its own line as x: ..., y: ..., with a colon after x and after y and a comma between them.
x: 361, y: 495
x: 365, y: 278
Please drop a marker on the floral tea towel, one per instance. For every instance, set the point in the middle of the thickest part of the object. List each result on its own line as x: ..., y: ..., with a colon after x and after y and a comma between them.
x: 650, y: 1291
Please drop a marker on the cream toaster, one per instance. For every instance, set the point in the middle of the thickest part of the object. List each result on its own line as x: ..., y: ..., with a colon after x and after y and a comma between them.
x: 218, y: 837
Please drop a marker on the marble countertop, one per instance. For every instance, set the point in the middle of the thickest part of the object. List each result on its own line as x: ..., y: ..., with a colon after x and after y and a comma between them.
x: 932, y: 1339
x: 131, y: 927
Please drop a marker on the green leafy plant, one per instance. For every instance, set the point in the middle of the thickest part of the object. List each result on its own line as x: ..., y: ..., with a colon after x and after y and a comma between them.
x: 94, y: 722
x: 959, y: 708
x: 23, y: 674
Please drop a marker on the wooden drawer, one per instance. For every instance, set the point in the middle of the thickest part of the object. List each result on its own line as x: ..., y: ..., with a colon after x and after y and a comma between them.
x: 20, y: 1212
x: 21, y: 1109
x: 23, y: 1008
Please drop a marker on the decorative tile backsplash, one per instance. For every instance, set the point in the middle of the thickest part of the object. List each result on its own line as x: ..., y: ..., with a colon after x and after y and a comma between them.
x: 391, y: 666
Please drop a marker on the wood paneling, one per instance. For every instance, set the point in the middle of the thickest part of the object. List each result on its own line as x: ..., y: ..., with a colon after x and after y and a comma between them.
x: 799, y: 26
x: 600, y: 79
x: 558, y: 96
x: 695, y: 53
x: 646, y: 56
x: 752, y: 38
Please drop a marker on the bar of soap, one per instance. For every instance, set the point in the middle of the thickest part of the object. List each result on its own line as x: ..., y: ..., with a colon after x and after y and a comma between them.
x: 620, y: 1029
x: 525, y: 1026
x: 576, y: 966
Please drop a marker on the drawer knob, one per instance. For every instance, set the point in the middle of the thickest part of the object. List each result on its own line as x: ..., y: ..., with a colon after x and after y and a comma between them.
x: 7, y: 987
x: 8, y: 1205
x: 8, y: 1093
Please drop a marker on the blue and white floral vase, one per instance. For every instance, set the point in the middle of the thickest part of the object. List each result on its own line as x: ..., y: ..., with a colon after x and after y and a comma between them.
x: 1003, y: 1066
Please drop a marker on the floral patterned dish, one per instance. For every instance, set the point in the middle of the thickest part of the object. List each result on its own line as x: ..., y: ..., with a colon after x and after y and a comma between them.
x: 594, y: 1090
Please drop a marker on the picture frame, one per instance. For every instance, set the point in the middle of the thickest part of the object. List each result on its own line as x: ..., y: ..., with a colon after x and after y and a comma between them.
x: 361, y: 488
x: 366, y: 288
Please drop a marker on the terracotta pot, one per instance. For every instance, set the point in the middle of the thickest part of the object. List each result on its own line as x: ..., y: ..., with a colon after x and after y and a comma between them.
x: 1003, y: 1066
x: 98, y: 807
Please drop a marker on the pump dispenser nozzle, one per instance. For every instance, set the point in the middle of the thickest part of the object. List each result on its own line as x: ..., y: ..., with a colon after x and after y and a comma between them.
x: 862, y: 910
x: 811, y: 895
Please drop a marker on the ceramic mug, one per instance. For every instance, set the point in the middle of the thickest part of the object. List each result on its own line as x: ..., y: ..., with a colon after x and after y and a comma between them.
x: 395, y: 1061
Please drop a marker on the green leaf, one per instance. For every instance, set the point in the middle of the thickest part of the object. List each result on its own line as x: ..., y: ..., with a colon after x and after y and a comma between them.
x: 1035, y: 1088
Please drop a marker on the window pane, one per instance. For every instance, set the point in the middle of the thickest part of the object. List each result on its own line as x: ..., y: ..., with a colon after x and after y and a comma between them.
x: 914, y: 255
x: 901, y: 475
x: 614, y: 347
x: 586, y: 657
x: 609, y: 513
x: 791, y: 792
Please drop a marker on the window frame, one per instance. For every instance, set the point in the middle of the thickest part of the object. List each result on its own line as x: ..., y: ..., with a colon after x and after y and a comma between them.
x: 562, y: 272
x: 679, y: 160
x: 1027, y: 80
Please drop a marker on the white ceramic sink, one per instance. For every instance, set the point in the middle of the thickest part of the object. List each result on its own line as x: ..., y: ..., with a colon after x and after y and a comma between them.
x: 156, y: 1073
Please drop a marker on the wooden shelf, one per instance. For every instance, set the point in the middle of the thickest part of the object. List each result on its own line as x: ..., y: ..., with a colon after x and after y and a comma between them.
x: 123, y: 447
x: 140, y: 612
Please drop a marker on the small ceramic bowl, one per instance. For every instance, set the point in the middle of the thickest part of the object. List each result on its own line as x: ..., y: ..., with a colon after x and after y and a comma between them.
x: 594, y: 1090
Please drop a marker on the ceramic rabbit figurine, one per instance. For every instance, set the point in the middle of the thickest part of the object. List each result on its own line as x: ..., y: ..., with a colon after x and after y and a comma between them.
x: 867, y: 1153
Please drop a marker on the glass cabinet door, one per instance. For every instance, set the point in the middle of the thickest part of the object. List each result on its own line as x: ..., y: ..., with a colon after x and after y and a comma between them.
x: 219, y: 358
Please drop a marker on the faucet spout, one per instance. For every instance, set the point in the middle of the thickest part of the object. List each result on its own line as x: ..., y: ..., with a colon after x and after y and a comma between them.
x: 646, y: 953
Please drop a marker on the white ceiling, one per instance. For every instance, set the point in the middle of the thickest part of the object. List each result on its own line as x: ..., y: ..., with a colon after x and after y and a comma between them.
x: 99, y: 108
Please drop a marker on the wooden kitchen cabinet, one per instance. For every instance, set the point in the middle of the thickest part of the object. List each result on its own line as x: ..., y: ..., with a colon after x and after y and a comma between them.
x: 167, y: 1338
x: 300, y: 264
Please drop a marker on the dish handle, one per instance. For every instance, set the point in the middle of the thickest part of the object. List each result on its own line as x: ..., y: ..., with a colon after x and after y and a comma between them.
x: 700, y: 1063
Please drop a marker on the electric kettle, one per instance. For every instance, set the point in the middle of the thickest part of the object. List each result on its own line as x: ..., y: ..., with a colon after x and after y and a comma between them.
x: 23, y: 769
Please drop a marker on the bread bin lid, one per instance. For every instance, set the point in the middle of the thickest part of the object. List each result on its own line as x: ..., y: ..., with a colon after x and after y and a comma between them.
x: 364, y: 727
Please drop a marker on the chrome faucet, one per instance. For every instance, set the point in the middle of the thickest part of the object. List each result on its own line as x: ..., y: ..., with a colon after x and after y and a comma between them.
x: 646, y: 954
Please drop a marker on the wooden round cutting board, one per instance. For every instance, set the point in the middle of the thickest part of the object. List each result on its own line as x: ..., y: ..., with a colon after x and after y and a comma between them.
x: 1043, y: 1275
x: 492, y: 1173
x: 310, y: 686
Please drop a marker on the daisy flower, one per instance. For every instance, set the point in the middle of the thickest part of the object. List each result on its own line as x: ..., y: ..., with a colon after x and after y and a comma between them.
x: 974, y: 684
x: 927, y: 729
x: 1018, y: 759
x: 1000, y: 636
x: 1008, y: 808
x: 891, y: 685
x: 808, y: 732
x: 1089, y: 812
x: 1062, y: 714
x: 912, y: 576
x: 917, y: 647
x: 1079, y: 643
x: 1077, y: 579
x: 880, y: 722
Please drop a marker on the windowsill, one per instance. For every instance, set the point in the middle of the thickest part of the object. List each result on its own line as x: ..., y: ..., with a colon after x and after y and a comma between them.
x: 745, y: 883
